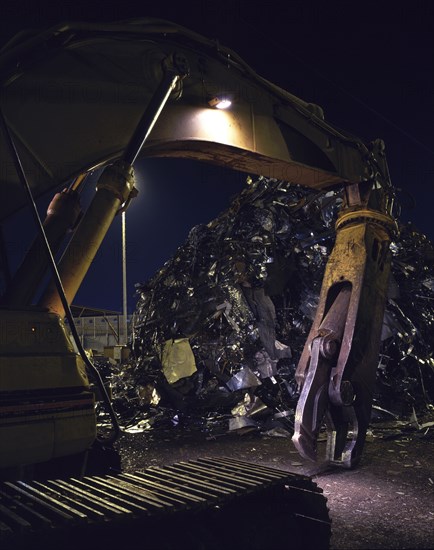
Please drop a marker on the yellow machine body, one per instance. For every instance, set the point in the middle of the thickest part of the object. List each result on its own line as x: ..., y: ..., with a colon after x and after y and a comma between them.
x: 47, y: 409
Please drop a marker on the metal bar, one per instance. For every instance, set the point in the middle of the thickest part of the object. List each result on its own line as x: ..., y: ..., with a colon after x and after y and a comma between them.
x: 62, y: 511
x: 28, y: 511
x: 147, y: 479
x: 108, y: 506
x: 15, y: 518
x: 150, y: 116
x: 227, y: 467
x: 124, y: 281
x: 64, y: 496
x: 191, y: 481
x: 97, y: 486
x: 244, y: 463
x: 205, y: 477
x: 158, y: 491
x: 272, y: 472
x: 170, y: 482
x: 221, y: 475
x: 201, y: 474
x: 132, y: 492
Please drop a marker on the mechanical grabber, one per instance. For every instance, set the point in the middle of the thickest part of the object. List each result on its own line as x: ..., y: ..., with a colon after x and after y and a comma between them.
x: 336, y: 371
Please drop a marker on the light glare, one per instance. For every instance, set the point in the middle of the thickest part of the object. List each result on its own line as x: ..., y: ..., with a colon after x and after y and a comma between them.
x: 220, y: 102
x: 223, y: 104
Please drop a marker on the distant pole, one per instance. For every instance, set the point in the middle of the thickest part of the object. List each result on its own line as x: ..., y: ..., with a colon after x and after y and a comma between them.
x: 124, y: 281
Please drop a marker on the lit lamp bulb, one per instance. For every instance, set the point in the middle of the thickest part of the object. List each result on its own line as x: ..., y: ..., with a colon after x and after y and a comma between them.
x: 220, y: 102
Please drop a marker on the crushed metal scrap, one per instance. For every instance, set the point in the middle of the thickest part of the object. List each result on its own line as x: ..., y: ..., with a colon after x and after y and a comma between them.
x: 218, y: 331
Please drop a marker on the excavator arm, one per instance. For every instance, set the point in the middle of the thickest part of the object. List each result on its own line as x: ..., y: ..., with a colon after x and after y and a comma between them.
x: 74, y: 98
x: 85, y: 87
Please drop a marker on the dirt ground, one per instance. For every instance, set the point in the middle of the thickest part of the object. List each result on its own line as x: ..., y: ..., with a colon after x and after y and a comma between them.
x: 387, y: 502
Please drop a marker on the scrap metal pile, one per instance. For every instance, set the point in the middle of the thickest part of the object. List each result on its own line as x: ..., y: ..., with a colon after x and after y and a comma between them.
x: 218, y: 331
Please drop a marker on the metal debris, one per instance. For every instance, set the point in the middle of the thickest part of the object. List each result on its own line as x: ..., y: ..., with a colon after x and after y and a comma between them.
x: 244, y: 378
x: 240, y: 294
x: 177, y: 360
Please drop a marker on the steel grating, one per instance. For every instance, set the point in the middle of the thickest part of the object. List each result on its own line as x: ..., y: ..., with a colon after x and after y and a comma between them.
x: 194, y: 504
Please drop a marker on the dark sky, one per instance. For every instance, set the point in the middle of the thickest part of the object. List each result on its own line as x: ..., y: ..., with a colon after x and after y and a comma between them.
x: 368, y: 64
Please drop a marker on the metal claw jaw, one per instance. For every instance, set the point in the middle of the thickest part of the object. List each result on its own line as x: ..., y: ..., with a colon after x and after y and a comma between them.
x: 343, y: 437
x: 336, y: 371
x: 315, y: 408
x: 312, y: 403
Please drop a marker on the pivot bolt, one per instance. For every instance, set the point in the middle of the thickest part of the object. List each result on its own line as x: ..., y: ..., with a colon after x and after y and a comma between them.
x: 328, y: 348
x: 181, y: 64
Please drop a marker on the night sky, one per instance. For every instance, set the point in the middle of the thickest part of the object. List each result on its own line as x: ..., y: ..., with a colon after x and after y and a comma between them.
x: 369, y: 65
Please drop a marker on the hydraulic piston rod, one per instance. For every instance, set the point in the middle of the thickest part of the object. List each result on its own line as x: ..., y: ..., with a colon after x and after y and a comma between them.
x: 62, y: 215
x: 114, y: 189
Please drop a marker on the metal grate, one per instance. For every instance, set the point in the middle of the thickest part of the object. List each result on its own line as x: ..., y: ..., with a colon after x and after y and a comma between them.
x: 154, y: 499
